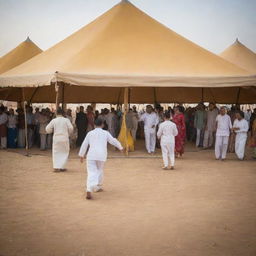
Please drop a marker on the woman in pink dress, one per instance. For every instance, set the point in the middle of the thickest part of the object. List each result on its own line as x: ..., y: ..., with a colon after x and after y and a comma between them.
x: 179, y: 120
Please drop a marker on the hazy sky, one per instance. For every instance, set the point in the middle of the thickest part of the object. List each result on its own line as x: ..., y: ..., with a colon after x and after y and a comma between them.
x: 213, y: 24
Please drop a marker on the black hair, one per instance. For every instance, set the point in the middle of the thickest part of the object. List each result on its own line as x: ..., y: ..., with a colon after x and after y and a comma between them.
x: 167, y: 115
x: 60, y: 111
x: 98, y: 122
x: 241, y: 113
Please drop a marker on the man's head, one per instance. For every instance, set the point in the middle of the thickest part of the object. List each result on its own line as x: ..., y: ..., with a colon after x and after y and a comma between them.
x: 167, y: 115
x: 89, y: 108
x: 1, y: 109
x: 81, y: 109
x: 99, y: 123
x: 59, y: 111
x: 11, y: 111
x: 223, y: 111
x: 149, y: 109
x: 211, y: 106
x: 37, y: 110
x: 239, y: 115
x: 134, y: 108
x: 69, y: 112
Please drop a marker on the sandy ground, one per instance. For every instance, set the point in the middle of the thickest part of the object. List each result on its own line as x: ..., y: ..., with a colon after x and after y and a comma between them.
x: 204, y: 207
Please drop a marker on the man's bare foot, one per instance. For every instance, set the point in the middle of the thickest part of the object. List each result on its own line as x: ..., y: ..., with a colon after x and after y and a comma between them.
x: 172, y: 168
x: 165, y: 168
x: 100, y: 190
x: 88, y: 195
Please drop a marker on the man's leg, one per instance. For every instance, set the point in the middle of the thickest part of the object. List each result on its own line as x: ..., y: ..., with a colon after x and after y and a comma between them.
x: 42, y: 141
x: 172, y: 154
x: 3, y: 142
x: 92, y: 177
x: 147, y: 140
x: 240, y: 146
x: 218, y: 147
x: 100, y: 166
x: 165, y: 152
x: 224, y: 147
x: 152, y: 142
x: 206, y: 139
x: 211, y: 138
x: 198, y: 133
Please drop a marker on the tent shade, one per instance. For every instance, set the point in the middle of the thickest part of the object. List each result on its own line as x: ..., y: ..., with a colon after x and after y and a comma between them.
x: 23, y: 52
x: 115, y: 95
x: 126, y: 47
x: 240, y: 55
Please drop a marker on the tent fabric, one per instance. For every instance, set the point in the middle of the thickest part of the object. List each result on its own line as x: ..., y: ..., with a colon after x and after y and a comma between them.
x: 115, y: 95
x: 240, y: 55
x: 127, y: 47
x: 23, y: 52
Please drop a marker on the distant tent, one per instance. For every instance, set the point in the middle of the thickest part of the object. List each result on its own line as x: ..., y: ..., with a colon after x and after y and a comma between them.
x: 23, y: 52
x: 240, y: 55
x: 126, y: 48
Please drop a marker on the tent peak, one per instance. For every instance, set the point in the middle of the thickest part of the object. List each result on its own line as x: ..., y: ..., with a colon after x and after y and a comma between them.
x: 28, y: 40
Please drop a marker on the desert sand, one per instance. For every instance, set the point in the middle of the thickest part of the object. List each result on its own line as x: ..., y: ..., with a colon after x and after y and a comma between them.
x: 203, y: 208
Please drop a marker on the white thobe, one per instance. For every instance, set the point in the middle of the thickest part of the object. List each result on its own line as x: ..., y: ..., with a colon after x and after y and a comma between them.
x: 97, y: 141
x: 110, y: 122
x: 210, y: 128
x: 167, y: 132
x: 222, y: 134
x: 150, y: 133
x: 61, y: 128
x: 241, y: 137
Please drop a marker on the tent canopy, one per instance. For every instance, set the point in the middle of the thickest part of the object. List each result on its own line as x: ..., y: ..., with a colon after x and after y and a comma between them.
x: 23, y: 52
x: 126, y: 47
x: 241, y: 56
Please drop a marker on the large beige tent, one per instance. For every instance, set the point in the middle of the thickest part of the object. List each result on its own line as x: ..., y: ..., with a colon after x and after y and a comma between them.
x: 23, y: 52
x: 241, y: 56
x: 127, y: 48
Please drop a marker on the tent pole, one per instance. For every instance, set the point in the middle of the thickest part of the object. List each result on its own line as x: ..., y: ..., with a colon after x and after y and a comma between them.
x: 238, y: 95
x: 26, y: 123
x: 126, y: 99
x: 57, y: 95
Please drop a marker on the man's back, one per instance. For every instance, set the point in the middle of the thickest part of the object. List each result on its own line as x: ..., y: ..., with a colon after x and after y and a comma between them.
x: 167, y: 131
x: 97, y: 141
x: 60, y: 127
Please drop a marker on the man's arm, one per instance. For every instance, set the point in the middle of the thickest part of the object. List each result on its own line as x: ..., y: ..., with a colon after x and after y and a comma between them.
x: 49, y: 127
x: 160, y: 131
x: 84, y: 148
x: 113, y: 141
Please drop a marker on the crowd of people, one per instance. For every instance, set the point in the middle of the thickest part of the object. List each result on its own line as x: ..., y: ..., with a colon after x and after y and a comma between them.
x: 196, y: 124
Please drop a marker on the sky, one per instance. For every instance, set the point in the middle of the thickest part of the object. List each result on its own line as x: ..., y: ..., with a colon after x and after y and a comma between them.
x: 212, y: 24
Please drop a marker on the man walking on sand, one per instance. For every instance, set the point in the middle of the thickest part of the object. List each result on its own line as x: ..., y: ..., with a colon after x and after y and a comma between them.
x: 167, y: 132
x: 61, y: 128
x: 97, y: 141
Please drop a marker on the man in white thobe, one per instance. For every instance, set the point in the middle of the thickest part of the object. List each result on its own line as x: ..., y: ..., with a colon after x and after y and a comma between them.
x: 61, y: 129
x: 212, y: 113
x: 151, y: 120
x: 97, y: 141
x: 166, y: 133
x: 135, y: 120
x: 222, y: 134
x: 240, y: 127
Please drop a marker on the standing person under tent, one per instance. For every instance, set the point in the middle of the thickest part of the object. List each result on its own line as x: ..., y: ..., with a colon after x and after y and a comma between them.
x: 150, y: 120
x: 240, y: 127
x: 61, y: 128
x: 222, y: 134
x: 166, y: 133
x: 81, y: 124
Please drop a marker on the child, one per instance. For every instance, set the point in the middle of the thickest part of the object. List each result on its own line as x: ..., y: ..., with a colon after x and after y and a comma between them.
x: 97, y: 139
x: 167, y: 132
